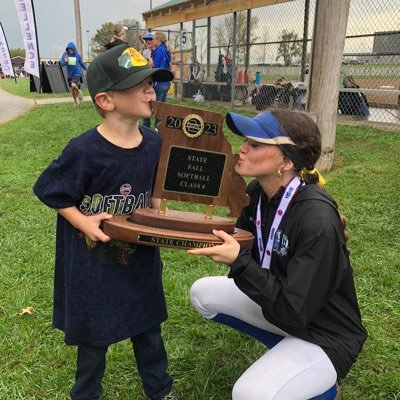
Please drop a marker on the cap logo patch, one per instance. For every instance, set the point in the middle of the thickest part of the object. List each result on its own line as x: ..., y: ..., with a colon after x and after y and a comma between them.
x: 131, y: 58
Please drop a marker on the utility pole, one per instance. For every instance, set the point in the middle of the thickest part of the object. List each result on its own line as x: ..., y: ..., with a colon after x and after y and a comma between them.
x: 88, y: 44
x: 78, y: 26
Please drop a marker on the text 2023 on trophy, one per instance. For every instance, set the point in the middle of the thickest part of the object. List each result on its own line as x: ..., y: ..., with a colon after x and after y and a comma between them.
x: 196, y: 166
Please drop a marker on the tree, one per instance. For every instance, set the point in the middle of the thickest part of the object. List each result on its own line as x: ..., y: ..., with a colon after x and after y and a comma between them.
x: 223, y: 34
x: 201, y: 50
x: 17, y: 52
x: 104, y: 35
x: 133, y: 37
x: 289, y: 48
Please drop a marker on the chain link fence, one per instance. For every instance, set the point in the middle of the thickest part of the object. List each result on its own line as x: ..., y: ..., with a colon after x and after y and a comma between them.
x: 259, y: 58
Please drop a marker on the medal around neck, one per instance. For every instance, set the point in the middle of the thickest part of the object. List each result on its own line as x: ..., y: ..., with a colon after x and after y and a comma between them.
x: 196, y: 166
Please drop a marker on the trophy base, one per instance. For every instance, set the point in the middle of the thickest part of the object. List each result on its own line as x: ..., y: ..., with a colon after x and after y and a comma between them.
x: 120, y: 228
x: 181, y: 221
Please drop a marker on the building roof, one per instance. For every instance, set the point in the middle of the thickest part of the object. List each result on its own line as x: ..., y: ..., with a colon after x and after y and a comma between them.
x: 169, y: 4
x: 177, y: 11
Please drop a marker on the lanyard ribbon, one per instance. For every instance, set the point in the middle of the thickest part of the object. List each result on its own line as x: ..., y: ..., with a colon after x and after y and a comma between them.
x: 265, y: 254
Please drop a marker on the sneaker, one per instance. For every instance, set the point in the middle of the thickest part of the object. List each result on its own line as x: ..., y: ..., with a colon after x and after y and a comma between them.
x: 80, y: 95
x: 170, y: 396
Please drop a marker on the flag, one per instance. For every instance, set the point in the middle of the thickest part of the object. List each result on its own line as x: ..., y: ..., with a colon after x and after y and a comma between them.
x: 5, y: 58
x: 26, y: 18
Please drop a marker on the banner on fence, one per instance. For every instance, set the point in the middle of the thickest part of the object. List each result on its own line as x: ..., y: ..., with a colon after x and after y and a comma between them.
x: 26, y: 18
x: 5, y: 58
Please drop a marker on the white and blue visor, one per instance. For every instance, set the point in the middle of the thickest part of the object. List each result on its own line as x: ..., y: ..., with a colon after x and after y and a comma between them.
x: 263, y: 128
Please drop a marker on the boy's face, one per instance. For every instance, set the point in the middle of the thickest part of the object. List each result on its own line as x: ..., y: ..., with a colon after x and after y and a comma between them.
x: 70, y: 51
x: 136, y: 101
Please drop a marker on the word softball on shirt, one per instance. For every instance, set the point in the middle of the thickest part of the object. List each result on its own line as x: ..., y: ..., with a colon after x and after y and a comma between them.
x: 123, y: 203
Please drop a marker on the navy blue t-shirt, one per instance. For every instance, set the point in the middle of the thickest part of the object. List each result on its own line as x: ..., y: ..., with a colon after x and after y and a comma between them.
x: 114, y: 290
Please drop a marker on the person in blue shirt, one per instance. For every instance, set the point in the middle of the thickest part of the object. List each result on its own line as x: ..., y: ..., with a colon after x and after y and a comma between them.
x: 160, y: 58
x: 74, y: 63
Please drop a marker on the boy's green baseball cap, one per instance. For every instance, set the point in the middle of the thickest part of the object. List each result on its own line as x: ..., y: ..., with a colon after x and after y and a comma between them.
x: 121, y: 67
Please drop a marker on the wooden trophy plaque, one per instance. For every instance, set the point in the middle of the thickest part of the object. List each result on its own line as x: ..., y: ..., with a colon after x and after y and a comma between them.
x: 196, y: 166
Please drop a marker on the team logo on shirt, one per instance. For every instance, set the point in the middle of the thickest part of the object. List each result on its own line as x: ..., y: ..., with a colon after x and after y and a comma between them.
x: 116, y: 204
x: 125, y: 189
x: 281, y: 244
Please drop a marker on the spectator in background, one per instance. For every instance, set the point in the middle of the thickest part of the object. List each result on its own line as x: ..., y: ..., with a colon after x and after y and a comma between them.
x: 74, y: 63
x: 160, y: 58
x: 148, y: 47
x: 118, y: 37
x: 228, y: 64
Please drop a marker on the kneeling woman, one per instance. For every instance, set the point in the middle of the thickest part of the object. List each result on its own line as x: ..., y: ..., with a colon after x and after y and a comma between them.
x: 294, y: 289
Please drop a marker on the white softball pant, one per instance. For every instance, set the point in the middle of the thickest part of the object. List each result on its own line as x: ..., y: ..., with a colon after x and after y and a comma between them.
x: 293, y: 369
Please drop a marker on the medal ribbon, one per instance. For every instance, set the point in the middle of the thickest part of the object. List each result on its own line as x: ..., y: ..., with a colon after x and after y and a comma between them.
x: 265, y: 254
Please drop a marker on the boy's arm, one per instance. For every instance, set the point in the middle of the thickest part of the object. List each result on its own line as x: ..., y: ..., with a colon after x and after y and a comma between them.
x: 83, y: 65
x: 89, y: 225
x: 64, y: 59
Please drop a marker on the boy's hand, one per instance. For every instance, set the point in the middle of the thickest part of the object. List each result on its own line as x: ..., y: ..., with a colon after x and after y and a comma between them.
x: 91, y: 227
x: 66, y: 58
x: 87, y: 224
x: 226, y: 253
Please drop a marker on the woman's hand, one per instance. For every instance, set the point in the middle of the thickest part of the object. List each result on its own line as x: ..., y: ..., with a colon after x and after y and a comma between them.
x: 225, y: 253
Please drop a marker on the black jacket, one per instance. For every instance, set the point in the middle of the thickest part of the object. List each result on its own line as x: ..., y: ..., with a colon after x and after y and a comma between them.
x: 114, y: 43
x: 308, y: 291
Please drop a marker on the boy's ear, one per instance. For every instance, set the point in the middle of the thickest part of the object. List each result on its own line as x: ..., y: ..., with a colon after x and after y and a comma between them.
x: 104, y: 101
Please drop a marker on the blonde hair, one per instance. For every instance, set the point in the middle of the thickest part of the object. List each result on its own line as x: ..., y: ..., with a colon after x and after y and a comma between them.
x: 160, y: 36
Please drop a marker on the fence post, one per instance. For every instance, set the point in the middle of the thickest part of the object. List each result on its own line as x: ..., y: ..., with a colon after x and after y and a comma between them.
x: 234, y: 59
x: 323, y: 88
x: 181, y: 58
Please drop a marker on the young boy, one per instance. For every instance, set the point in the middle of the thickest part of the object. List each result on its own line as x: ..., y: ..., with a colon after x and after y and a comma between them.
x: 107, y: 291
x: 73, y: 60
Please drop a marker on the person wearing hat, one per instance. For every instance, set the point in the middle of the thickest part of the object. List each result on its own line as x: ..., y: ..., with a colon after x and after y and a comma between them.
x: 148, y: 36
x: 118, y: 36
x: 293, y: 290
x: 160, y: 58
x: 106, y: 291
x: 148, y: 47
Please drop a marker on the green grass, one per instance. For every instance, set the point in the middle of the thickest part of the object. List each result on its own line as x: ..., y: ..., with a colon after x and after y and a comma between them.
x: 205, y: 358
x: 22, y: 88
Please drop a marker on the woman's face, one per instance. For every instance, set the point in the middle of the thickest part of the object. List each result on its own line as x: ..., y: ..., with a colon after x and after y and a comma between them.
x: 259, y: 159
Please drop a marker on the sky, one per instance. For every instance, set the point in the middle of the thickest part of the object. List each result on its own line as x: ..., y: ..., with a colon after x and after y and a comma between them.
x: 55, y: 21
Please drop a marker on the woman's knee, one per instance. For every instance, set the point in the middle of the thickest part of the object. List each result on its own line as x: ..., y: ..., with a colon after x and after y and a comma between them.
x: 248, y: 390
x: 198, y: 295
